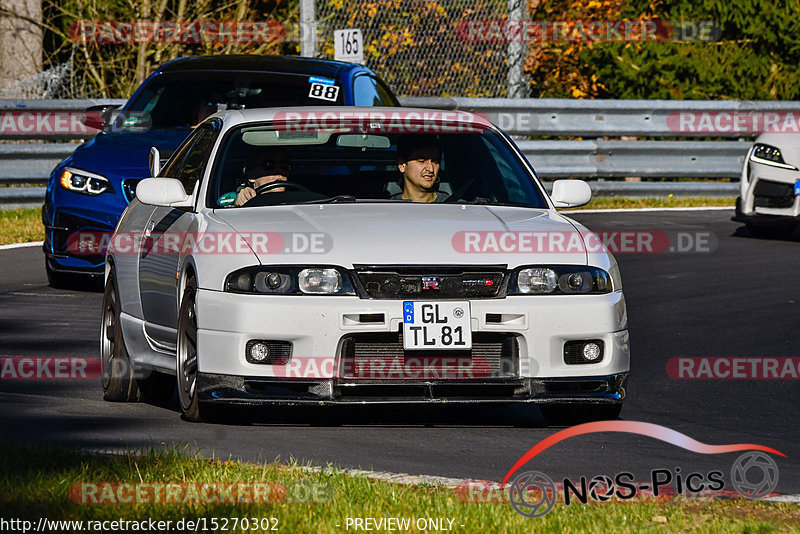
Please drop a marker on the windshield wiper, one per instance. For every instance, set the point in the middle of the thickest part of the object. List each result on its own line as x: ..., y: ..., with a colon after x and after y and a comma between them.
x: 332, y: 200
x: 482, y: 200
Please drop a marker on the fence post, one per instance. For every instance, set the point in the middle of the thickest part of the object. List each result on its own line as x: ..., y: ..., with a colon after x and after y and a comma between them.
x: 308, y: 28
x: 516, y: 56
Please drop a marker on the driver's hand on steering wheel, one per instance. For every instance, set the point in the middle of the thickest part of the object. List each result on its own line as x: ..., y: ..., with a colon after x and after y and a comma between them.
x: 244, y: 195
x: 249, y: 192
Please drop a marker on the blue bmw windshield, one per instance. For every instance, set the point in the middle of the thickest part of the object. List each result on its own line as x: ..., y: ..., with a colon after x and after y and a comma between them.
x: 184, y: 99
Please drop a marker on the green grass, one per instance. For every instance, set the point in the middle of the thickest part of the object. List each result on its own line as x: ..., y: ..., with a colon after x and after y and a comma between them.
x: 21, y: 225
x: 665, y: 202
x: 36, y: 481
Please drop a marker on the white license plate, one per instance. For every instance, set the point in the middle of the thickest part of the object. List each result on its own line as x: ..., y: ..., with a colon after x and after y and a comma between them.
x: 436, y: 325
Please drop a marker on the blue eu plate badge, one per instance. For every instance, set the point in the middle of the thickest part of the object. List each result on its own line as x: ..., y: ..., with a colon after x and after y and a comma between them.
x: 797, y: 187
x: 408, y: 312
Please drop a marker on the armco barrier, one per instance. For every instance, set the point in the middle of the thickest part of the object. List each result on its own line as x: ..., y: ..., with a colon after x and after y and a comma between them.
x: 596, y: 158
x: 601, y: 118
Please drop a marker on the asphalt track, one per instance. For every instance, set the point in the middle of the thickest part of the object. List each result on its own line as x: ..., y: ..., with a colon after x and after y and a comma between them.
x: 742, y: 299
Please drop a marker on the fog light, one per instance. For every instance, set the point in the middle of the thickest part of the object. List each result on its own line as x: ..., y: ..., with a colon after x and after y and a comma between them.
x: 583, y: 351
x: 268, y: 352
x: 259, y: 351
x: 591, y: 351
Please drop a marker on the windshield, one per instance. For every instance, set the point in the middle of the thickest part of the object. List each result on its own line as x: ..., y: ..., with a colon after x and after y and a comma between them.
x: 347, y: 165
x: 184, y: 99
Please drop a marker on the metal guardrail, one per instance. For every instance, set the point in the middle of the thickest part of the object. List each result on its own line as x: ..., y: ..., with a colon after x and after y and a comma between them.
x: 601, y: 118
x: 645, y: 159
x: 31, y: 163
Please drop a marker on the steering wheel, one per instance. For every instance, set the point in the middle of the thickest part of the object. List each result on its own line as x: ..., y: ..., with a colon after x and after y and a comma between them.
x: 274, y: 185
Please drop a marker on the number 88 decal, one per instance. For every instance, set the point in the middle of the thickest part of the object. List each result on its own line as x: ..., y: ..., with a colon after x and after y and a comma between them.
x: 324, y: 92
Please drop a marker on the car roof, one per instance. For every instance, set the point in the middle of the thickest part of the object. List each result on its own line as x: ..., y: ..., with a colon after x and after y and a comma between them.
x: 253, y: 62
x: 377, y: 113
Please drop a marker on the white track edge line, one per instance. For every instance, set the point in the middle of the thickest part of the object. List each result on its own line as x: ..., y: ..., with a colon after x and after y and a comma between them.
x: 22, y: 245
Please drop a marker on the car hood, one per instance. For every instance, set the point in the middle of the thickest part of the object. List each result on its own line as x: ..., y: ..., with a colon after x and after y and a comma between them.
x: 407, y: 234
x: 124, y: 154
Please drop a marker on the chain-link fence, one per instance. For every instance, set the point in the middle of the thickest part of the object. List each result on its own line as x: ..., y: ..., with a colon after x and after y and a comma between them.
x: 422, y: 47
x: 58, y: 81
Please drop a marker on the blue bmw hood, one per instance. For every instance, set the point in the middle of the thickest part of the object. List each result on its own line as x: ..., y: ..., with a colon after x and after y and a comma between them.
x: 124, y: 154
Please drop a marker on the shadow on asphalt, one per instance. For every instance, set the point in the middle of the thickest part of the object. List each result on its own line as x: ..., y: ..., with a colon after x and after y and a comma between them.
x: 389, y: 416
x: 768, y: 234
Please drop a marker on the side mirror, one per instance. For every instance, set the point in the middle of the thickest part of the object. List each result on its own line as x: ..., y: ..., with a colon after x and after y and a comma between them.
x: 155, y: 161
x: 166, y: 192
x: 98, y: 116
x: 571, y: 193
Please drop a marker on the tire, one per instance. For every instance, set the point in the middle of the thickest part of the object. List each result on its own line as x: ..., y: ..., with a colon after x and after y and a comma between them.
x: 572, y: 414
x: 117, y: 371
x: 186, y: 368
x: 186, y: 355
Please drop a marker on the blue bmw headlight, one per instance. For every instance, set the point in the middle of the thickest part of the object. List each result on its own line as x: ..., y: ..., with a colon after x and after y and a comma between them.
x: 83, y: 182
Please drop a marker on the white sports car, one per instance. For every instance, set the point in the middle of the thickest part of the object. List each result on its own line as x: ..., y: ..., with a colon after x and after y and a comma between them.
x: 770, y: 185
x: 335, y: 256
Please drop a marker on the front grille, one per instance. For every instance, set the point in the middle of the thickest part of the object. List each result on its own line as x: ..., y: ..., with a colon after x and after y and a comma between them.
x: 431, y: 283
x: 129, y: 188
x: 773, y: 195
x: 380, y: 356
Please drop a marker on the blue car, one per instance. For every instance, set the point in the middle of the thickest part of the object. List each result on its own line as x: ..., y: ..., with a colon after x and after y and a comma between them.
x: 87, y: 191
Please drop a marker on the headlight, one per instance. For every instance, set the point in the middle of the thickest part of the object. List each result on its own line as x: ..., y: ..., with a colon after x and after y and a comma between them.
x: 769, y: 155
x: 557, y: 280
x: 290, y: 280
x: 83, y: 182
x: 319, y: 281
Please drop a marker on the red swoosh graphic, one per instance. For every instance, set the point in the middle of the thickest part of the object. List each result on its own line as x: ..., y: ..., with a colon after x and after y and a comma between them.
x: 634, y: 427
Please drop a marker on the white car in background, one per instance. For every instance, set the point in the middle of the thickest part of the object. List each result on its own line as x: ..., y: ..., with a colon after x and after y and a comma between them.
x: 329, y: 288
x: 770, y: 185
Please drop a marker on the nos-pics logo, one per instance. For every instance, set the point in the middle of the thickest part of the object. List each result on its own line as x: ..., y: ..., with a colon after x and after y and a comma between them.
x: 753, y: 475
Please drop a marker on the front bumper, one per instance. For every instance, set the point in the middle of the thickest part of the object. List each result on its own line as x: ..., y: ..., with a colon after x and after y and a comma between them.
x: 66, y: 215
x: 768, y: 196
x: 318, y: 329
x: 254, y: 391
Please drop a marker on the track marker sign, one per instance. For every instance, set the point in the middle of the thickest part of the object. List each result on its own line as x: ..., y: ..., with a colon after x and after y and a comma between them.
x: 348, y: 45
